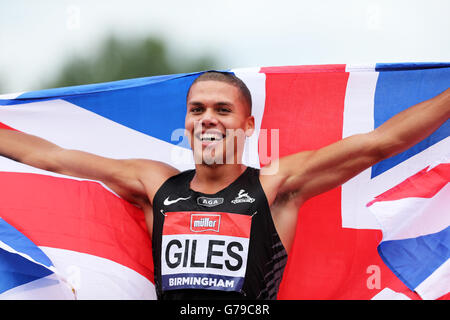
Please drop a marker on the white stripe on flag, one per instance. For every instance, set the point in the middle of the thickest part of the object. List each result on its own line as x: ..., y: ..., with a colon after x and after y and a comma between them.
x: 358, y: 118
x: 389, y: 294
x: 11, y: 95
x: 360, y: 67
x: 413, y: 217
x: 47, y: 288
x: 256, y: 83
x: 97, y: 278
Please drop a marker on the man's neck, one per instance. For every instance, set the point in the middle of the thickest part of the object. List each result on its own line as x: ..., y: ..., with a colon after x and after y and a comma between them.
x: 211, y: 179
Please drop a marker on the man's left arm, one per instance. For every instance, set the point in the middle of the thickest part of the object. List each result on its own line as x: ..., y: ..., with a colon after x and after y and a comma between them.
x: 310, y: 173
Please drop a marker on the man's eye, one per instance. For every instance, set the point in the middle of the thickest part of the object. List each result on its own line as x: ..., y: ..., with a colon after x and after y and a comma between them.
x: 224, y: 110
x: 196, y: 110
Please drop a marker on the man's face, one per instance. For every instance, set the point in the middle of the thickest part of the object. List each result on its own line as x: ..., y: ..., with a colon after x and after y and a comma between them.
x: 217, y: 122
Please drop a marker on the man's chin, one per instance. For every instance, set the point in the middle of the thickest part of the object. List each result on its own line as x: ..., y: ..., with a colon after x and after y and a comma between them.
x: 211, y: 160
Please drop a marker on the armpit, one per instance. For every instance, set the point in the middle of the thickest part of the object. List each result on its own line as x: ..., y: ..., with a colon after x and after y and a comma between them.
x: 282, y: 198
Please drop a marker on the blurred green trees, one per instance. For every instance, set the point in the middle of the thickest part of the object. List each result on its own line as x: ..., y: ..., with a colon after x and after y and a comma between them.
x: 119, y: 59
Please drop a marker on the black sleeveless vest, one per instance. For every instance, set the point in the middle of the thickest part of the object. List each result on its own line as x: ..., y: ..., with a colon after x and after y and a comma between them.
x: 215, y: 246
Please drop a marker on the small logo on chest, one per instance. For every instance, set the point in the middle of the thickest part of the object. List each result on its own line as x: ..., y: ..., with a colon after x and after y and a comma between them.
x: 242, y: 197
x: 209, y: 202
x: 205, y: 222
x: 168, y: 202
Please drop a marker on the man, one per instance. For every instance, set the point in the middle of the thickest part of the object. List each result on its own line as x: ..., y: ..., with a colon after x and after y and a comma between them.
x: 224, y: 230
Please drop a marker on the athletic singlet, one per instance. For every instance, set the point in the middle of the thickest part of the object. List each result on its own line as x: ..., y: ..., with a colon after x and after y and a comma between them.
x: 215, y: 246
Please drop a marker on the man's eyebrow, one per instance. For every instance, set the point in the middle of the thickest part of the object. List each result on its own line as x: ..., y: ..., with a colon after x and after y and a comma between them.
x: 224, y: 103
x: 220, y: 103
x: 195, y: 103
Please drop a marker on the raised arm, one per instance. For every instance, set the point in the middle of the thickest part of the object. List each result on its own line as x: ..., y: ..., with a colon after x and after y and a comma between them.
x: 133, y: 179
x: 310, y: 173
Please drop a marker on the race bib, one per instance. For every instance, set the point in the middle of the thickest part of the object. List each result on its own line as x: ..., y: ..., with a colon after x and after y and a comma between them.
x: 204, y: 250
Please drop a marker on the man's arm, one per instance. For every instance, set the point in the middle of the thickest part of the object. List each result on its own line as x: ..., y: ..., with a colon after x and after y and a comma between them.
x: 309, y: 173
x: 132, y: 179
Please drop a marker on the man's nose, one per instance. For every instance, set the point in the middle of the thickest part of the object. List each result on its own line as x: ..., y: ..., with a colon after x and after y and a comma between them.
x: 208, y: 119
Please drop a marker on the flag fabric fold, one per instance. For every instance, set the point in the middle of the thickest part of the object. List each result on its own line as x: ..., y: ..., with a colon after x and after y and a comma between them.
x: 99, y: 242
x: 415, y: 220
x: 22, y: 262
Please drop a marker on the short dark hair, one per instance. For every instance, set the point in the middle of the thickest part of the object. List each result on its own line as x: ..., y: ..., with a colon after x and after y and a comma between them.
x: 229, y: 78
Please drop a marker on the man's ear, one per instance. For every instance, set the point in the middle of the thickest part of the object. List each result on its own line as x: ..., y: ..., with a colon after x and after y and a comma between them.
x: 250, y: 126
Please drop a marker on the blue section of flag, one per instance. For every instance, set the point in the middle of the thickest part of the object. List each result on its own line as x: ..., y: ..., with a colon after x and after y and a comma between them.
x: 16, y: 240
x: 410, y: 66
x: 66, y: 92
x: 413, y: 260
x: 155, y: 103
x: 16, y: 270
x: 155, y: 99
x: 395, y: 92
x: 97, y: 87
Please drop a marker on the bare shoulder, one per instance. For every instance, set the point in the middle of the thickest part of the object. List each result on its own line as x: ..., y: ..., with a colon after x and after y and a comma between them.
x: 152, y: 174
x: 275, y: 177
x: 272, y: 179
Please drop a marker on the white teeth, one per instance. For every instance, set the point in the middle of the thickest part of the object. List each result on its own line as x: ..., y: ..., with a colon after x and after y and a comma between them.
x: 210, y: 136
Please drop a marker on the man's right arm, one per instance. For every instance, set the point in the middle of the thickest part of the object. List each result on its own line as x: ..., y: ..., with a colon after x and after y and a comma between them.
x: 135, y: 180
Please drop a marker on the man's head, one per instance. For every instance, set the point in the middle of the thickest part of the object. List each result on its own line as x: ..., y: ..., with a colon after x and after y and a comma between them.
x: 229, y: 78
x: 218, y: 118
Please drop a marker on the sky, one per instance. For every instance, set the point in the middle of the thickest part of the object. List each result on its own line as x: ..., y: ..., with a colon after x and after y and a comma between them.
x: 37, y: 36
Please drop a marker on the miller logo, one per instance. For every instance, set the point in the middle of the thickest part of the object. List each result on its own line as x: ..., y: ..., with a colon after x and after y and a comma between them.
x: 209, y: 202
x: 201, y: 222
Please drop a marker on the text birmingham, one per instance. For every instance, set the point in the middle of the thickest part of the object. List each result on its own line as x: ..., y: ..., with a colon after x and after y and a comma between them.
x: 200, y: 281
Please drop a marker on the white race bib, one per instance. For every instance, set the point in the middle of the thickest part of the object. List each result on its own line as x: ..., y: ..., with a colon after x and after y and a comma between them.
x: 204, y: 250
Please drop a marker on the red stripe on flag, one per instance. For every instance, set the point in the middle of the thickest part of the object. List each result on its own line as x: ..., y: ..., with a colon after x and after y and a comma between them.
x: 4, y: 126
x: 305, y: 69
x: 326, y: 260
x: 76, y: 215
x: 306, y: 108
x: 445, y: 297
x: 424, y: 184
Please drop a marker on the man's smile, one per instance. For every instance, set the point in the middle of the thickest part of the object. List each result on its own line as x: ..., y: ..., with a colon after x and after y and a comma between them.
x: 210, y: 137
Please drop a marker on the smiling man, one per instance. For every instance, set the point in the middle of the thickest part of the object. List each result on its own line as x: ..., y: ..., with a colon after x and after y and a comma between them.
x: 218, y: 118
x: 224, y: 230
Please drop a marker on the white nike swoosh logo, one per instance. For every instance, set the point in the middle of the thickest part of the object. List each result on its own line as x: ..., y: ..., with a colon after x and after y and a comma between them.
x: 168, y: 202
